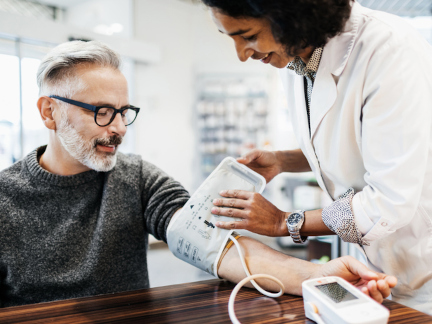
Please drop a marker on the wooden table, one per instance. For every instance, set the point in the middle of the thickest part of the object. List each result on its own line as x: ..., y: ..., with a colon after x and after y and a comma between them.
x: 201, y: 302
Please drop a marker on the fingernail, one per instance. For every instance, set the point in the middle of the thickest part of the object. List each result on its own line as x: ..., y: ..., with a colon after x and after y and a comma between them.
x: 223, y: 192
x: 217, y: 224
x: 215, y: 201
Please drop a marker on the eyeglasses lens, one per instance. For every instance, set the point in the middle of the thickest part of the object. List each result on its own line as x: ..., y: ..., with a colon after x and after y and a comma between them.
x: 104, y: 116
x: 129, y: 116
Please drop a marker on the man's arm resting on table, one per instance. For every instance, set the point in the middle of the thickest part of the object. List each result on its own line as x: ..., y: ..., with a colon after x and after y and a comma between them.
x: 292, y: 272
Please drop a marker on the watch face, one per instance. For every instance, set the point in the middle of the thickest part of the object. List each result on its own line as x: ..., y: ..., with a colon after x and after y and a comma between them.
x: 294, y: 218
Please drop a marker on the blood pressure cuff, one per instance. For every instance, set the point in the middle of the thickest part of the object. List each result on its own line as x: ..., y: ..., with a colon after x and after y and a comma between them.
x: 192, y: 235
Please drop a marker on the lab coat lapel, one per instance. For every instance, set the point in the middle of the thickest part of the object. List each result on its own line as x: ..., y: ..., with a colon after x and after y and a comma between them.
x: 300, y: 102
x: 323, y: 97
x: 302, y: 121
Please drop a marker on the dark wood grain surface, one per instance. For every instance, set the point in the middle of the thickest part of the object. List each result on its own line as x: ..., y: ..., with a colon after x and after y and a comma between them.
x: 201, y: 302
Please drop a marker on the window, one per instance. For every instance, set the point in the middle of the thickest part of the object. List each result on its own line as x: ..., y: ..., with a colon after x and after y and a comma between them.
x: 29, y: 9
x: 21, y: 129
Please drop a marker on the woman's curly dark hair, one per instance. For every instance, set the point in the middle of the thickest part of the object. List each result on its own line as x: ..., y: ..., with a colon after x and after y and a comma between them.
x: 296, y: 24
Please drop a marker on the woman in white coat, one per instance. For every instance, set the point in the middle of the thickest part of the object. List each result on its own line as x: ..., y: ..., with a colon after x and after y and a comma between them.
x: 359, y: 90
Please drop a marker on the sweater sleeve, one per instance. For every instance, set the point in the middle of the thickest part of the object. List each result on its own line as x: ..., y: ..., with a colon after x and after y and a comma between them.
x: 162, y: 196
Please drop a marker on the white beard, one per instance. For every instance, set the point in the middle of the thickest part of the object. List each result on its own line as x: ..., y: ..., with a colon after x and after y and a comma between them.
x: 82, y: 150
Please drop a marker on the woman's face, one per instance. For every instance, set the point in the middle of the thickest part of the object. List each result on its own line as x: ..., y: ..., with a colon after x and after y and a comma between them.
x: 252, y: 38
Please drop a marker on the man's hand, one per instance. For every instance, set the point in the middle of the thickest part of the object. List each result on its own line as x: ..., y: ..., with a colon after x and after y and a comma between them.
x: 257, y: 214
x: 265, y: 163
x: 375, y: 285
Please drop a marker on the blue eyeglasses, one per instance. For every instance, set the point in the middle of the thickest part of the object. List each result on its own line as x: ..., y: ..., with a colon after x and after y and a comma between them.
x: 103, y: 115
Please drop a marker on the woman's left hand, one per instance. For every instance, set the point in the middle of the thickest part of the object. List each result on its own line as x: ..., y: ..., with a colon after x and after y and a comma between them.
x: 256, y: 213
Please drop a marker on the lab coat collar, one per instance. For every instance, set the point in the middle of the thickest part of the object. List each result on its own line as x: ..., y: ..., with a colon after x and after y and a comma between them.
x: 334, y: 60
x: 338, y: 49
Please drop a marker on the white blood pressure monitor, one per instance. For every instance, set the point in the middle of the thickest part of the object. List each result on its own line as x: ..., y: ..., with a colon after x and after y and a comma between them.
x: 336, y: 301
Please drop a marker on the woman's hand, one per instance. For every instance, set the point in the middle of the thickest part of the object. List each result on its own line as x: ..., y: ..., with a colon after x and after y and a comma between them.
x: 270, y: 164
x: 376, y: 285
x: 265, y: 163
x: 257, y: 214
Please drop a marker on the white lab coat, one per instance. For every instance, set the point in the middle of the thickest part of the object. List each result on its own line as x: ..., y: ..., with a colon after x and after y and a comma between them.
x: 371, y: 118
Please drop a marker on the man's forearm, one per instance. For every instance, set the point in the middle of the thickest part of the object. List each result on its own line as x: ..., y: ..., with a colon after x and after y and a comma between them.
x: 262, y: 259
x: 293, y: 161
x: 292, y: 272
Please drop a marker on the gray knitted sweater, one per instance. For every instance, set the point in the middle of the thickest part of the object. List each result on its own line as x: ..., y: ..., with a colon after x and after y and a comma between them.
x: 70, y: 236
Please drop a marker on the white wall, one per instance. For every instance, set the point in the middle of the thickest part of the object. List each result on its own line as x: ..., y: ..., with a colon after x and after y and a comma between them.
x: 190, y: 45
x: 164, y: 132
x: 95, y: 14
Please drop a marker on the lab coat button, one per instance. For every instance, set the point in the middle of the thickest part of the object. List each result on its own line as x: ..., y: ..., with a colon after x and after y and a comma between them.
x: 384, y: 224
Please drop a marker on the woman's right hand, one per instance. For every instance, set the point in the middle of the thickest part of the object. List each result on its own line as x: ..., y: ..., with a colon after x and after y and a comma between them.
x: 263, y: 162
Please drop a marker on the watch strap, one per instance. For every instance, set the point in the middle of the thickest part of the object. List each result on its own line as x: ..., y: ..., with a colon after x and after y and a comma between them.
x: 295, y: 234
x: 298, y: 238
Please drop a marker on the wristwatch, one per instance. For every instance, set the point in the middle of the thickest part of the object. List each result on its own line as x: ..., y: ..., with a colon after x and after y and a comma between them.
x: 294, y: 222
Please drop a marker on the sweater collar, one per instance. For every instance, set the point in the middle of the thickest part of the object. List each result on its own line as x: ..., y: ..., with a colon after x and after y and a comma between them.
x: 37, y: 172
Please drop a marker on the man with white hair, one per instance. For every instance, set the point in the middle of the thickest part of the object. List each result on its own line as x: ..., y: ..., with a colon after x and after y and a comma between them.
x: 75, y: 214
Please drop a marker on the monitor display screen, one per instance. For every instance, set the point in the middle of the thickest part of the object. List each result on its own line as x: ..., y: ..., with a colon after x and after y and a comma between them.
x: 336, y: 292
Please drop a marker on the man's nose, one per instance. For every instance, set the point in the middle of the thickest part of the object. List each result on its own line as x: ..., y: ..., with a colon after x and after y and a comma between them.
x: 243, y: 51
x: 117, y: 126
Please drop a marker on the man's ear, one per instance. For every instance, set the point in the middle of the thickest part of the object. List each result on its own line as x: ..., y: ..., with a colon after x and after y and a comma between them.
x: 46, y: 107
